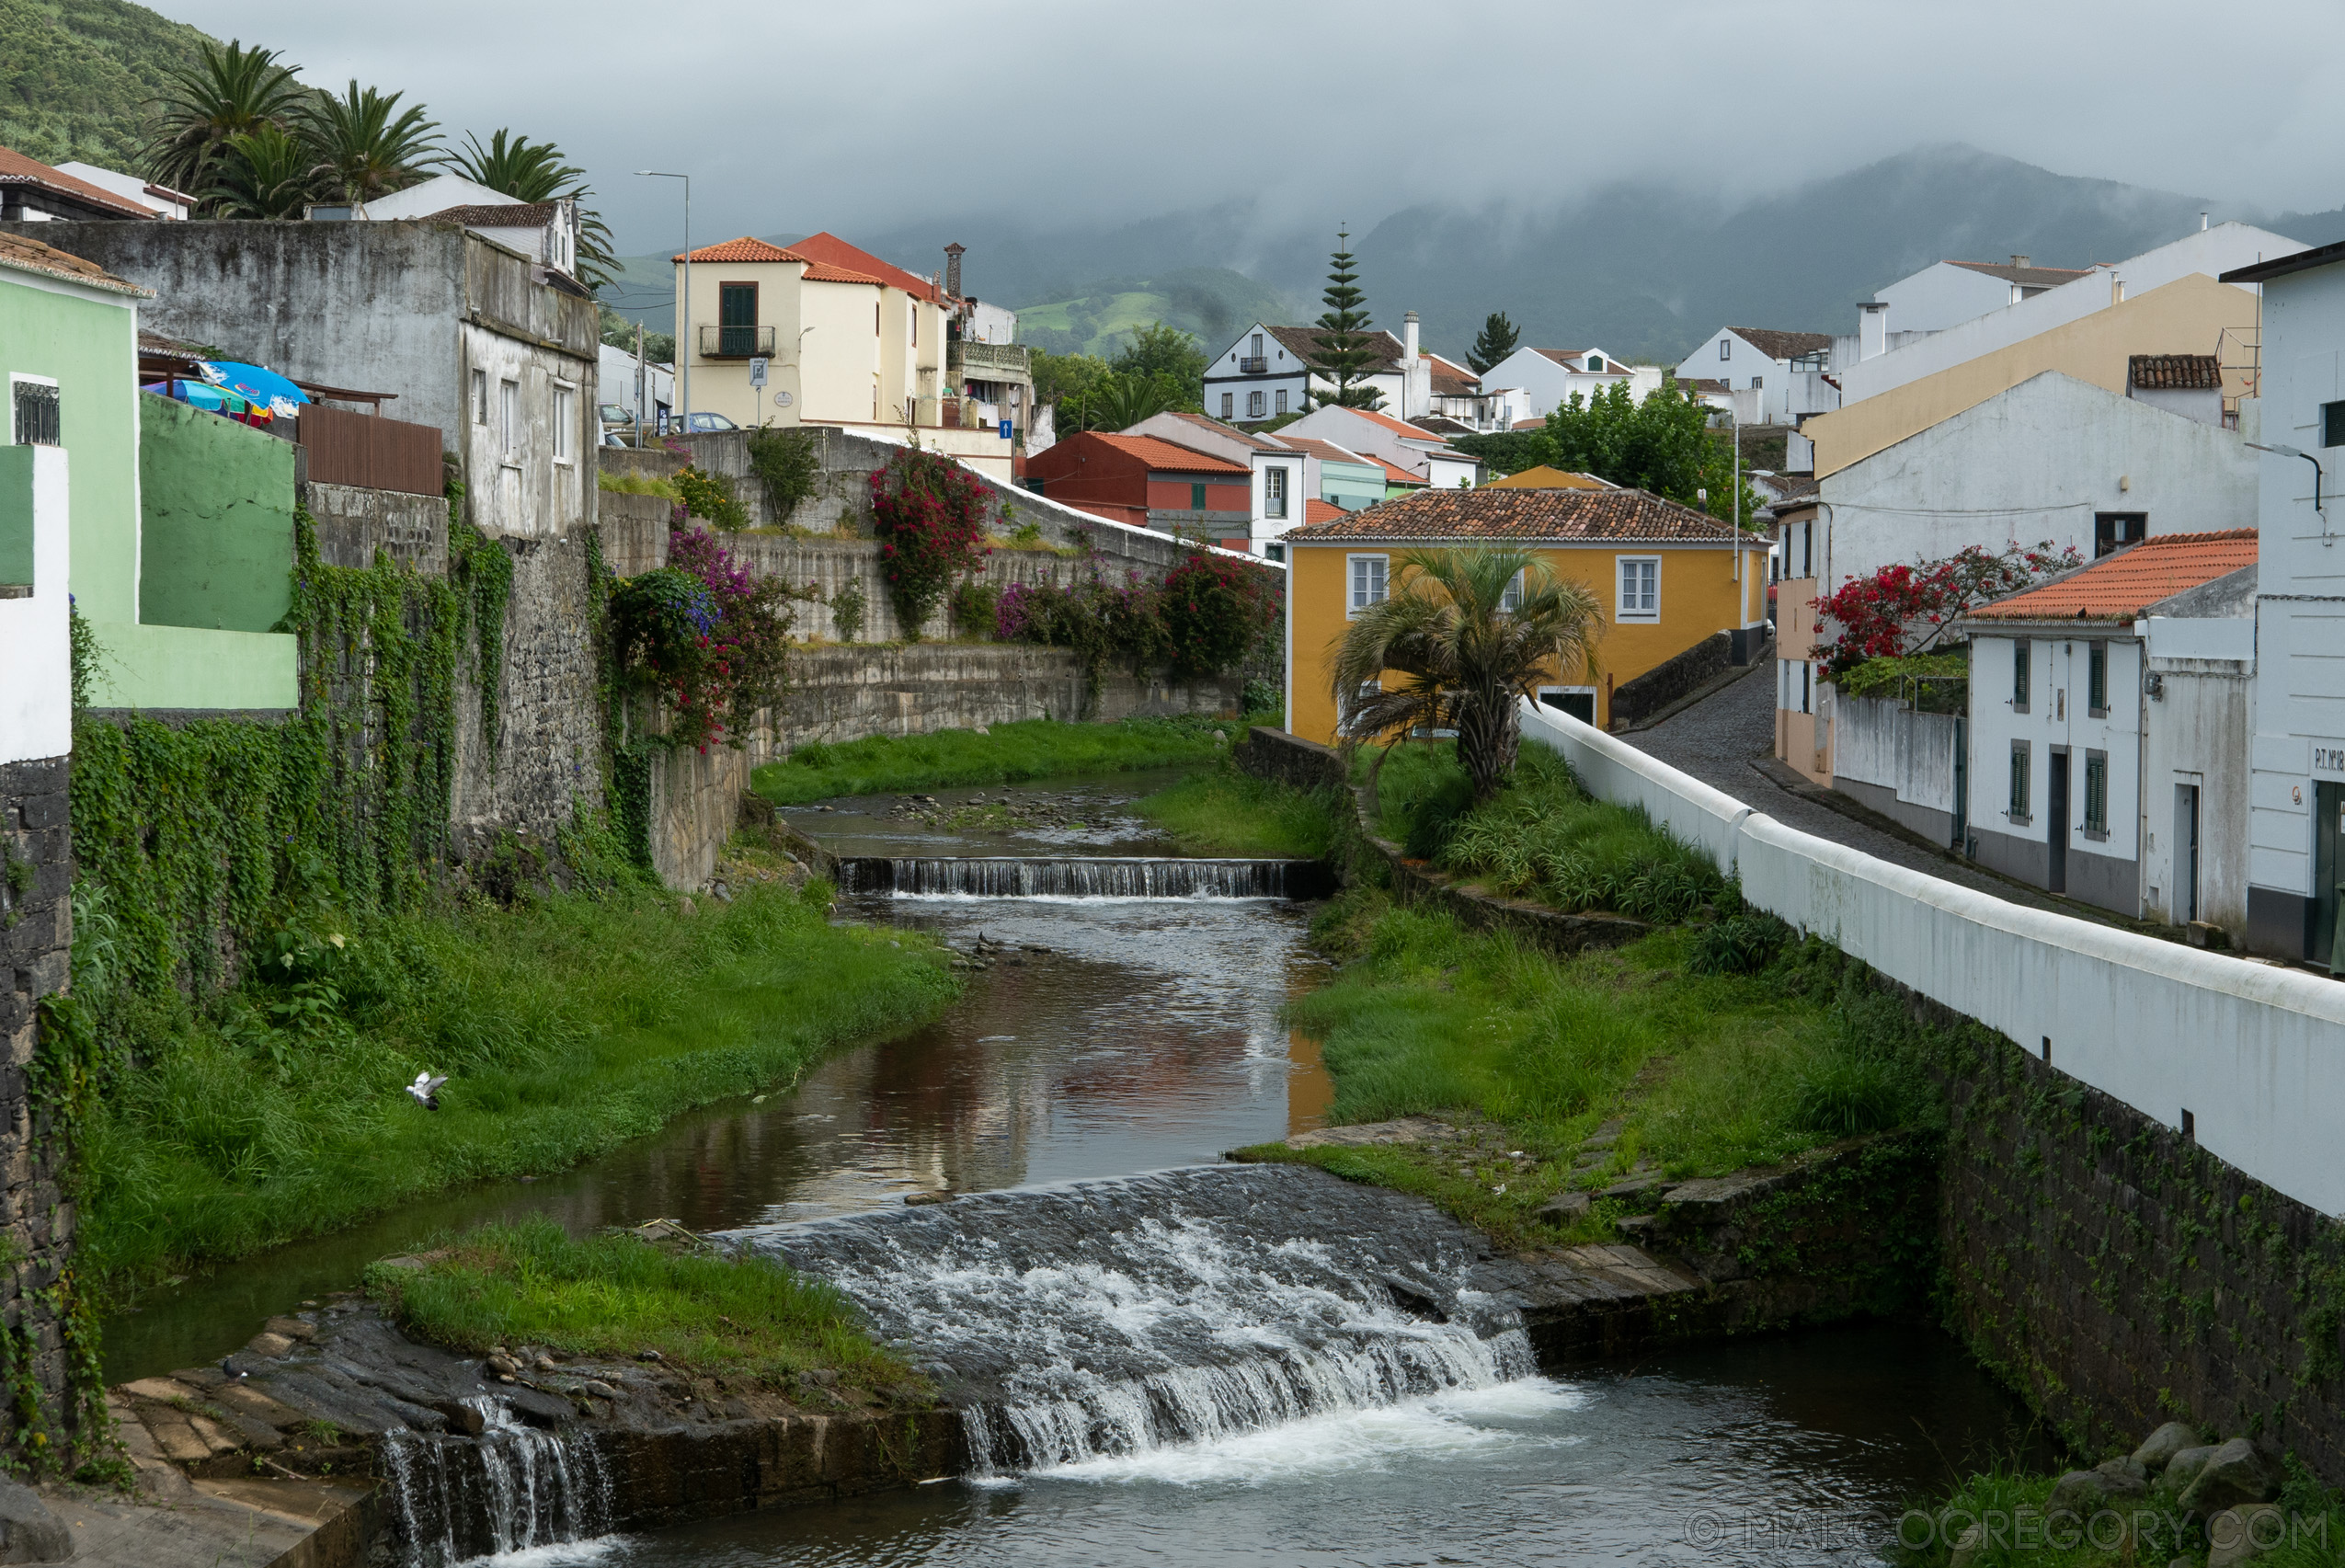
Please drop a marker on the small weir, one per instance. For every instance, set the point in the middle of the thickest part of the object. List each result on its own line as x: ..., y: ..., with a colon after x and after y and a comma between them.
x: 1107, y: 1319
x: 1012, y: 876
x: 510, y: 1488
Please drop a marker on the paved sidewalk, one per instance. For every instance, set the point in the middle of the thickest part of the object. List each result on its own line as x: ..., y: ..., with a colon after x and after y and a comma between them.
x: 1721, y: 739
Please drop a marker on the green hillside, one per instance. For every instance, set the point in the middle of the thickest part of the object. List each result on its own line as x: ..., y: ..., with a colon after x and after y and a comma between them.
x: 76, y: 76
x: 1212, y: 302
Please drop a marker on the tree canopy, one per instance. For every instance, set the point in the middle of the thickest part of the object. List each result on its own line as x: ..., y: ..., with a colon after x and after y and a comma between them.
x: 1496, y: 340
x: 1162, y: 367
x: 1345, y: 355
x: 1663, y: 443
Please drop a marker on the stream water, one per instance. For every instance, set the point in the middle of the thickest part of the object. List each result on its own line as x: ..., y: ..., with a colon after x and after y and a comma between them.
x: 1167, y: 1361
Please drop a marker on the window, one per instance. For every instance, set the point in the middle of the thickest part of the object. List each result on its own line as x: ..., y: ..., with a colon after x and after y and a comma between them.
x: 1807, y: 686
x: 37, y: 421
x: 1596, y: 364
x: 2022, y: 663
x: 1368, y: 581
x: 2019, y: 796
x: 1274, y: 492
x: 736, y: 319
x: 1257, y: 345
x: 1640, y: 587
x: 1254, y: 405
x: 1726, y: 348
x: 480, y: 397
x: 566, y: 403
x: 2097, y: 794
x: 1758, y: 382
x: 1511, y: 599
x: 1229, y: 404
x: 1282, y: 400
x: 1276, y: 552
x: 1197, y: 497
x: 509, y: 417
x: 2115, y: 530
x: 1577, y: 701
x: 2096, y: 678
x: 2332, y: 424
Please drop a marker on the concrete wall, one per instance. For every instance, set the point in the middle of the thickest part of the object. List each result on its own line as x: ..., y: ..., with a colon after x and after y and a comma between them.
x: 2256, y: 1054
x: 353, y: 523
x: 216, y: 519
x: 845, y: 693
x: 1897, y: 762
x: 2200, y: 724
x: 695, y: 803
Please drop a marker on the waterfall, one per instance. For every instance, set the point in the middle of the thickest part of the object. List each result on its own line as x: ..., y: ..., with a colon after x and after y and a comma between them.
x: 1078, y: 878
x: 510, y: 1488
x: 1104, y: 1318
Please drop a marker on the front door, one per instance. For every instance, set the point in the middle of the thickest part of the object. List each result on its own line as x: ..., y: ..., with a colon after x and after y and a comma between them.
x: 1962, y: 784
x: 2186, y: 852
x: 2056, y: 825
x: 2328, y: 864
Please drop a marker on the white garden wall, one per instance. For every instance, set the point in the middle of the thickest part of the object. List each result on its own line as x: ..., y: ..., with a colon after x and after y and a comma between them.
x: 2254, y: 1053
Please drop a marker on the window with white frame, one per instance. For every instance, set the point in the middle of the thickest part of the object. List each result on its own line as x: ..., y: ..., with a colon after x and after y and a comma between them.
x: 1254, y: 405
x: 1368, y: 581
x: 1726, y: 348
x: 2020, y: 786
x: 36, y: 412
x: 508, y: 417
x: 1511, y: 599
x: 1274, y: 492
x: 1640, y: 588
x: 1758, y: 382
x: 1282, y: 400
x: 1229, y: 404
x: 566, y: 405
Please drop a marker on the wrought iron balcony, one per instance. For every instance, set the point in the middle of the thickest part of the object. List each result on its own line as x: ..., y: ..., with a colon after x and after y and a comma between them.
x: 735, y: 342
x: 1253, y: 364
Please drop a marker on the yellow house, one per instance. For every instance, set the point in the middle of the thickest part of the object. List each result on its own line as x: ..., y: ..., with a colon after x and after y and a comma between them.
x: 845, y: 338
x: 1666, y: 576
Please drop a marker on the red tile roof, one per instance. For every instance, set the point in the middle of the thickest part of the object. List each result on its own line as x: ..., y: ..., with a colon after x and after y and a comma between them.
x: 1396, y: 426
x: 742, y: 249
x: 1397, y: 476
x: 500, y: 215
x: 1317, y: 511
x: 1227, y: 432
x: 26, y: 254
x: 1326, y: 452
x: 1522, y: 516
x: 829, y: 250
x: 2175, y: 373
x: 1170, y: 456
x: 17, y: 169
x: 2120, y: 586
x: 823, y: 272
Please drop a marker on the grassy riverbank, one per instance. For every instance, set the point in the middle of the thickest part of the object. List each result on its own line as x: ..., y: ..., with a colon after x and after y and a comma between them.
x: 612, y: 1295
x: 566, y: 1027
x: 1220, y: 810
x: 1009, y: 753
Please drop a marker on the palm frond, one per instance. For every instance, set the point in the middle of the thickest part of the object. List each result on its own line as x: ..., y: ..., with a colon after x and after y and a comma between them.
x: 366, y: 145
x: 230, y: 91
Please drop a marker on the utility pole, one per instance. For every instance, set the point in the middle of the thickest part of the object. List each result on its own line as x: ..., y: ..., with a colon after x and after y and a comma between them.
x: 683, y: 306
x: 642, y: 387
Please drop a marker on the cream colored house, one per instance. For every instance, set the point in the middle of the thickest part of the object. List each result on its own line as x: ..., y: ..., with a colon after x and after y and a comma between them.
x: 846, y: 340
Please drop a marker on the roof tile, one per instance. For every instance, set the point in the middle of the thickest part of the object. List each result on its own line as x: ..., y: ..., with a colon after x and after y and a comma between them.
x: 27, y: 255
x: 1783, y: 345
x: 2120, y: 587
x: 1171, y: 456
x: 17, y: 169
x: 2174, y: 372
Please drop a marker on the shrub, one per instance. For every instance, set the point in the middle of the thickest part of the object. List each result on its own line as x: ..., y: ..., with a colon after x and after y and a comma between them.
x: 976, y: 608
x: 1739, y: 945
x: 1205, y: 618
x: 706, y: 633
x: 787, y: 464
x: 847, y: 608
x: 1213, y: 613
x: 929, y: 514
x: 710, y: 496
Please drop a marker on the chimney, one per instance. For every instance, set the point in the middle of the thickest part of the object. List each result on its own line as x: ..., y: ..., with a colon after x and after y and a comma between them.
x: 1409, y: 336
x: 2203, y: 223
x: 1873, y: 329
x: 2018, y: 261
x: 952, y: 253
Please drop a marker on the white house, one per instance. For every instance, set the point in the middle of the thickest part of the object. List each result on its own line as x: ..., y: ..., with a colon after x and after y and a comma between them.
x: 1265, y: 372
x: 1419, y: 452
x: 2296, y: 853
x: 1550, y: 376
x: 2052, y: 459
x: 159, y: 200
x: 1784, y: 372
x: 2109, y: 725
x: 1283, y: 477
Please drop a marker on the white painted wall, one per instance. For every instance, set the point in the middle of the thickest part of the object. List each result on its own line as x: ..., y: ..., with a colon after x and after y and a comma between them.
x: 2031, y: 463
x: 2057, y: 715
x: 1546, y: 386
x: 36, y: 691
x: 2199, y: 723
x: 2257, y: 1053
x: 1883, y: 742
x: 1943, y: 295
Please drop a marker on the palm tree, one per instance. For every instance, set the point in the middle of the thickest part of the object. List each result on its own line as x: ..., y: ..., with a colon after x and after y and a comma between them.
x: 263, y: 173
x: 534, y: 171
x: 1469, y: 631
x: 1123, y: 400
x: 363, y: 150
x: 227, y: 92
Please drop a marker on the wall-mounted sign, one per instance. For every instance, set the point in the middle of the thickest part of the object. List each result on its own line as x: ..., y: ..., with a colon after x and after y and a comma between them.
x: 2328, y: 759
x: 782, y: 400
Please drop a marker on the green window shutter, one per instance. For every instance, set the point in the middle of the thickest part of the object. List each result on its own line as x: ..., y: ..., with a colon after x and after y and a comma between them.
x: 1197, y: 497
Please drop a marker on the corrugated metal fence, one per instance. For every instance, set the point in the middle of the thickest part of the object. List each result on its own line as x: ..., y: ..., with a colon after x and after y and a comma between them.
x: 368, y: 450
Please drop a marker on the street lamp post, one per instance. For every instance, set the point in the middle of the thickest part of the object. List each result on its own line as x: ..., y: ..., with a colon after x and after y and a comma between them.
x: 683, y: 306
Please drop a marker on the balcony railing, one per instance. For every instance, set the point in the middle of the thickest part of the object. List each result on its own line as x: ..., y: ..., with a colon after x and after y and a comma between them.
x: 1253, y: 364
x: 735, y: 342
x: 990, y: 362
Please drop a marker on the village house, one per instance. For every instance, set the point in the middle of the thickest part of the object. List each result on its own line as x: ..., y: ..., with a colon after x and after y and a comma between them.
x: 1149, y: 483
x: 33, y: 192
x: 1337, y: 474
x: 1666, y: 576
x: 1418, y: 453
x: 1546, y: 378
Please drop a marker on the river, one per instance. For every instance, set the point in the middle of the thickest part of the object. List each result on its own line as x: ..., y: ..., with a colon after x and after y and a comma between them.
x: 1108, y: 1039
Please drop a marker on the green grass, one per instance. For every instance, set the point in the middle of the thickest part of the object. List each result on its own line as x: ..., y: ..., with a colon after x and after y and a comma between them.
x: 568, y: 1027
x: 1224, y: 811
x: 611, y: 1295
x: 2010, y: 1503
x: 1746, y: 1069
x: 1034, y: 748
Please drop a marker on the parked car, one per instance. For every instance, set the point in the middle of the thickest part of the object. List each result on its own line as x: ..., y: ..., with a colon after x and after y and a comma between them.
x: 703, y: 422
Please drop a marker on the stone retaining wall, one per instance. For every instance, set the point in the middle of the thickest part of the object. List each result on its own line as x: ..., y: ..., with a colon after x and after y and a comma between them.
x: 36, y: 936
x: 354, y: 523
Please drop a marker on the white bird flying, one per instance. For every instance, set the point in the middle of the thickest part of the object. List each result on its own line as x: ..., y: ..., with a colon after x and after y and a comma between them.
x: 426, y: 1090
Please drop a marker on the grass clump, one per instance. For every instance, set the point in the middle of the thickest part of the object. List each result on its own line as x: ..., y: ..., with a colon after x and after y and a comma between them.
x: 1227, y: 812
x: 1998, y: 1519
x: 1032, y: 749
x: 637, y: 485
x: 611, y: 1295
x: 567, y: 1027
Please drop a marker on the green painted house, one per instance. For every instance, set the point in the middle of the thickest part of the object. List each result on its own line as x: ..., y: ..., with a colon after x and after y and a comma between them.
x: 180, y: 522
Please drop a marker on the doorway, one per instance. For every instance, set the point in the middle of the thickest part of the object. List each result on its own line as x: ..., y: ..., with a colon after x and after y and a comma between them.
x: 2056, y: 825
x: 2328, y: 864
x: 2185, y: 853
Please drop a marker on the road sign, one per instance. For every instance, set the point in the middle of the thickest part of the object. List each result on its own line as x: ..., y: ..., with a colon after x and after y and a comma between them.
x: 757, y: 371
x: 1005, y: 429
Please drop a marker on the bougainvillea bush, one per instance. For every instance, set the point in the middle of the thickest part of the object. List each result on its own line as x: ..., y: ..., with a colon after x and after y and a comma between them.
x: 1204, y: 619
x: 706, y: 635
x: 1906, y: 609
x: 1214, y: 610
x: 929, y: 514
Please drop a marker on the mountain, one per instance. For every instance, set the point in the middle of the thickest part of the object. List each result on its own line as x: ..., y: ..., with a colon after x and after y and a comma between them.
x: 76, y: 76
x: 1644, y: 270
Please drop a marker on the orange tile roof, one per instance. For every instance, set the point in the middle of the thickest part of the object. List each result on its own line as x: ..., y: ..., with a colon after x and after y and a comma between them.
x: 26, y: 255
x: 742, y: 249
x: 1317, y: 511
x: 829, y: 250
x: 1520, y: 516
x: 1326, y: 452
x: 17, y: 169
x: 2120, y: 586
x: 1171, y: 456
x: 1389, y: 423
x: 1397, y: 476
x: 823, y: 272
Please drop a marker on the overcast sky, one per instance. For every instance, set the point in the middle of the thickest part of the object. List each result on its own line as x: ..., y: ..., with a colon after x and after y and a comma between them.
x: 792, y: 116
